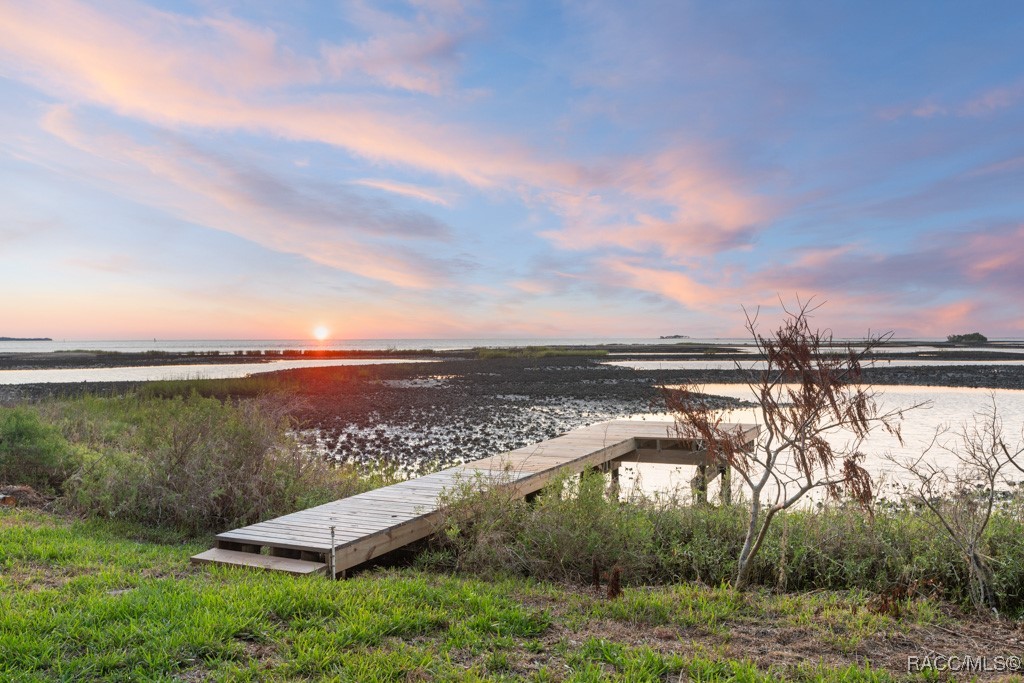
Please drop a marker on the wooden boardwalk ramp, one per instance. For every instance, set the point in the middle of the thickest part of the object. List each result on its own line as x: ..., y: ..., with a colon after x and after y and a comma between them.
x: 373, y: 523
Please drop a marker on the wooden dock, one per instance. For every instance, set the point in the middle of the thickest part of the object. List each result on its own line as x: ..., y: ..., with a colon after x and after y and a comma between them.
x: 373, y: 523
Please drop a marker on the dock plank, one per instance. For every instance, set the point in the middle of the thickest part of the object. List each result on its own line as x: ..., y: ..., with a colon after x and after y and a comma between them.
x: 370, y: 524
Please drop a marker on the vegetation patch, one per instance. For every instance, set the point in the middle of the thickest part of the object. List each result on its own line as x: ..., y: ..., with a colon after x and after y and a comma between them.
x: 32, y: 452
x: 90, y: 600
x: 970, y: 339
x: 577, y: 532
x: 189, y: 463
x: 538, y: 352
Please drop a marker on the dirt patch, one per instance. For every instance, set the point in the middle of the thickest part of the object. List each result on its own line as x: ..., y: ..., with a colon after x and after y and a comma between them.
x: 773, y: 642
x: 23, y: 497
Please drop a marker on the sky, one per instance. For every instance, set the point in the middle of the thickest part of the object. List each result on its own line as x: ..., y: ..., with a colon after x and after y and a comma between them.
x: 208, y: 170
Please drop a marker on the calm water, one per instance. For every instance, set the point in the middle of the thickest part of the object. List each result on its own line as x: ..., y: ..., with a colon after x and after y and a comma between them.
x: 703, y: 364
x: 948, y: 407
x: 229, y: 345
x: 150, y: 373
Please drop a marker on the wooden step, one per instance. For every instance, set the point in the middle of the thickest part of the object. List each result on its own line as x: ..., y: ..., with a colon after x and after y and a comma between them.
x: 253, y: 560
x: 373, y: 523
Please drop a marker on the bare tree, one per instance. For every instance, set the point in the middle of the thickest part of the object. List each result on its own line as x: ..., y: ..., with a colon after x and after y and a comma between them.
x: 806, y: 389
x: 963, y: 494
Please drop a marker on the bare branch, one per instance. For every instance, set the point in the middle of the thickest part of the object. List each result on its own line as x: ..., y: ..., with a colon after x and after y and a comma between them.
x: 806, y: 387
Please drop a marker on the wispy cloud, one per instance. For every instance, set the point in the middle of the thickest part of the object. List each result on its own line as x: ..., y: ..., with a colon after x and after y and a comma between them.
x: 326, y: 224
x: 420, y: 54
x: 910, y: 289
x: 156, y: 67
x: 704, y: 210
x: 674, y: 285
x: 406, y: 190
x: 655, y: 161
x: 987, y: 103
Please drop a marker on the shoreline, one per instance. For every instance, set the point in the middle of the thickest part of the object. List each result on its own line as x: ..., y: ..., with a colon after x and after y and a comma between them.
x: 689, y: 350
x: 419, y: 416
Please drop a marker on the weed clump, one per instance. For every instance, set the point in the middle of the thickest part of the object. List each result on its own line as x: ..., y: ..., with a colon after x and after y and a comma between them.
x: 191, y: 463
x: 576, y: 532
x: 32, y: 452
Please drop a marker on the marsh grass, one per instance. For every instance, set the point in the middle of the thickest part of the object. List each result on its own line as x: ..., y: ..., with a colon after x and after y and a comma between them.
x: 574, y: 525
x: 537, y: 352
x: 191, y: 463
x: 33, y: 452
x: 88, y: 600
x: 233, y: 387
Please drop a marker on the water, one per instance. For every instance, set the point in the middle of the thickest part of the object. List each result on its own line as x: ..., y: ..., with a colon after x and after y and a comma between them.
x: 947, y: 407
x: 151, y: 373
x: 707, y: 364
x: 230, y: 345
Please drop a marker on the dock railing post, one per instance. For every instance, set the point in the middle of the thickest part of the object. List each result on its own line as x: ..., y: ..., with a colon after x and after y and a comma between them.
x: 699, y: 485
x: 725, y: 472
x: 330, y: 562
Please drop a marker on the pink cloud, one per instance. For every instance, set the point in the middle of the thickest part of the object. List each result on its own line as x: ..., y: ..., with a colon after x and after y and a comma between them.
x: 218, y: 74
x: 919, y: 291
x: 406, y: 190
x: 337, y: 231
x: 708, y: 209
x: 408, y: 60
x: 532, y: 286
x: 993, y: 100
x: 157, y: 67
x: 988, y: 255
x: 821, y: 258
x: 224, y: 75
x: 671, y: 284
x: 985, y: 104
x: 418, y: 54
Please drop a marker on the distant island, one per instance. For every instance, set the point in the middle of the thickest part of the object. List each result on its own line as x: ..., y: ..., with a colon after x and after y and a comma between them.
x: 972, y: 339
x: 25, y: 339
x: 674, y: 336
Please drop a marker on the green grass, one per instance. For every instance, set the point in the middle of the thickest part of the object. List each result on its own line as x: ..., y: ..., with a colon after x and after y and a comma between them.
x: 94, y: 600
x: 191, y: 463
x: 236, y: 387
x: 574, y: 526
x: 33, y: 452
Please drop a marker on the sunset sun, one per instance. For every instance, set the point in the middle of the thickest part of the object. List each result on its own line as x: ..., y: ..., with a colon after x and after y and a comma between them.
x: 321, y: 333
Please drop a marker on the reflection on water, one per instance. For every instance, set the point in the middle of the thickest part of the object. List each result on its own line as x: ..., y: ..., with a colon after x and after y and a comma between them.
x: 706, y: 364
x: 948, y: 407
x: 150, y: 373
x: 229, y: 345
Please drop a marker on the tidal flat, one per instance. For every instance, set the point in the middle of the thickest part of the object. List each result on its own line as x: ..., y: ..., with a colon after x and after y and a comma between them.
x: 464, y: 405
x: 126, y: 592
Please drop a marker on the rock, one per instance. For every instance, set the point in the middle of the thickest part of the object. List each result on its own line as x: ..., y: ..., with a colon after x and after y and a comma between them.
x: 24, y: 496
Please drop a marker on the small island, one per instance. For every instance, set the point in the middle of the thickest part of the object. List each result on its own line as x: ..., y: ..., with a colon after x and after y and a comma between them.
x: 674, y: 336
x: 972, y: 339
x: 23, y: 339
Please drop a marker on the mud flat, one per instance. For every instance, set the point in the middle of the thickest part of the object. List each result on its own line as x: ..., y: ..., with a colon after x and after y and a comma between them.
x: 65, y: 360
x: 419, y: 416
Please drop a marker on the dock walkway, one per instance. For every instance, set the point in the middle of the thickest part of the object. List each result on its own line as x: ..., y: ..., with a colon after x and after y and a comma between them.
x: 373, y: 523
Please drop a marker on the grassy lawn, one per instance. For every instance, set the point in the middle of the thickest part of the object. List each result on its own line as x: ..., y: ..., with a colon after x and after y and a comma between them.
x: 94, y: 600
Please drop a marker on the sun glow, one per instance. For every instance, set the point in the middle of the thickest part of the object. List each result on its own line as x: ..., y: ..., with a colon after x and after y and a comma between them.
x: 321, y: 333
